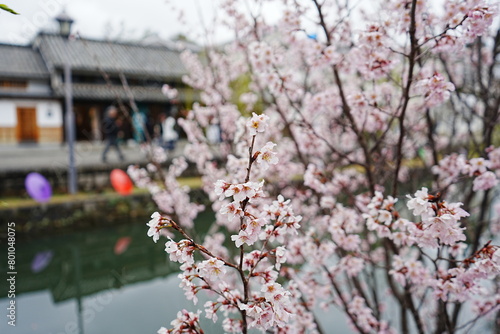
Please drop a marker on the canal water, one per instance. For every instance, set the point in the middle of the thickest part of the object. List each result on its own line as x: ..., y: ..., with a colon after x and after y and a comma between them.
x: 105, y: 280
x: 112, y: 279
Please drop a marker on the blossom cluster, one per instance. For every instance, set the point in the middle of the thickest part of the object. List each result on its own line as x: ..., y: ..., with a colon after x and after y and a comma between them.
x: 440, y: 220
x: 186, y: 322
x: 436, y: 89
x: 324, y: 134
x: 170, y: 197
x: 484, y: 171
x: 372, y: 53
x: 169, y: 92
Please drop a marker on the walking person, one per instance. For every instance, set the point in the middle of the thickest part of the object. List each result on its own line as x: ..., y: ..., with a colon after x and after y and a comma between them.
x: 139, y: 122
x: 111, y: 129
x: 169, y: 135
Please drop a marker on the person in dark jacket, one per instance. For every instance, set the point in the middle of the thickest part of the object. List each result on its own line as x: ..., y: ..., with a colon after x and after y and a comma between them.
x: 111, y: 129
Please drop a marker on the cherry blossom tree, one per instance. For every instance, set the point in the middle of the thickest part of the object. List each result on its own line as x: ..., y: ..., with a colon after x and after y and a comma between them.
x: 357, y: 171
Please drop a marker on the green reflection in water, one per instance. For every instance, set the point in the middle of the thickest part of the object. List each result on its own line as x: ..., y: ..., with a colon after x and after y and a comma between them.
x: 89, y: 265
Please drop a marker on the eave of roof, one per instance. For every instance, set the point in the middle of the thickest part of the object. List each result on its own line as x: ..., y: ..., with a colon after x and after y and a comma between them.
x: 96, y: 92
x: 21, y: 62
x: 25, y: 95
x: 110, y: 57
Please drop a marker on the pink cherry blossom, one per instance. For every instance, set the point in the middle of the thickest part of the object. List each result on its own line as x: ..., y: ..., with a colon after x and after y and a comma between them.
x: 243, y: 237
x: 232, y: 210
x: 435, y: 89
x: 221, y: 187
x: 154, y: 226
x: 485, y: 181
x: 212, y: 268
x: 420, y: 203
x: 267, y: 156
x: 258, y: 123
x: 364, y: 158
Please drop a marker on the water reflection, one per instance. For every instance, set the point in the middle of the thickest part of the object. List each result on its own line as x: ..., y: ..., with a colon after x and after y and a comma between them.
x: 86, y: 282
x: 104, y: 280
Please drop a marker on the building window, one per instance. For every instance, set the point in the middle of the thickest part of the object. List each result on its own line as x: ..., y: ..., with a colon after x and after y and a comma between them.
x: 15, y: 84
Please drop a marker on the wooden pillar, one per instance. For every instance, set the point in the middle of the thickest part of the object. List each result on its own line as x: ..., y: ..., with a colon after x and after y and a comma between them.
x: 95, y: 122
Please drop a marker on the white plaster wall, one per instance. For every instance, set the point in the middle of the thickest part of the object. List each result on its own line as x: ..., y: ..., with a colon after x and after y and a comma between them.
x: 8, y: 116
x: 26, y: 103
x: 49, y: 114
x: 38, y: 86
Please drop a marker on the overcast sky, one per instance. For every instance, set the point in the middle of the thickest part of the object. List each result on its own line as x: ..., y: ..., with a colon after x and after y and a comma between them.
x: 101, y: 18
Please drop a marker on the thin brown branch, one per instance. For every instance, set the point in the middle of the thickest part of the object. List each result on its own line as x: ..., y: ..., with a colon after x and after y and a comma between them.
x: 345, y: 305
x: 345, y: 106
x: 406, y: 94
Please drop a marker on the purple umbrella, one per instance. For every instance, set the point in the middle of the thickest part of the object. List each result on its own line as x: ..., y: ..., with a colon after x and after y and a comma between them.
x: 38, y: 187
x: 41, y: 261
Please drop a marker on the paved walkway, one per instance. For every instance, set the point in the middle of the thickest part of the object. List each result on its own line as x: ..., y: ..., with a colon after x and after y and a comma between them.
x: 33, y: 157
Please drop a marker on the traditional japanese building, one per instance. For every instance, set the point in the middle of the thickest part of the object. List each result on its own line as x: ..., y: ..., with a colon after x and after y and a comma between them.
x: 32, y: 85
x: 29, y: 109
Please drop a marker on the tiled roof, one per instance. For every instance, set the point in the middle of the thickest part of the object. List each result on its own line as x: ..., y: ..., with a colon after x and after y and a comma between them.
x: 111, y: 57
x: 21, y: 62
x: 111, y: 93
